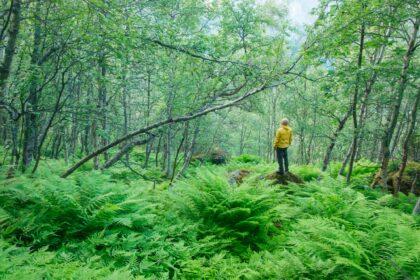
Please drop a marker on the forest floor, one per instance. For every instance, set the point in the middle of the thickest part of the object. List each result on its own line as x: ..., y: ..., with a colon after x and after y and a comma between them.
x: 120, y: 225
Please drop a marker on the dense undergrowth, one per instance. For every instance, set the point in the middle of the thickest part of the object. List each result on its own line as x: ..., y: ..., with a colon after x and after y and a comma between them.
x: 119, y: 225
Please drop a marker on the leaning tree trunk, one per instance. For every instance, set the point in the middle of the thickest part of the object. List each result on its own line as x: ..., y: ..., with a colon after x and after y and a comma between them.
x: 124, y: 150
x: 175, y: 164
x: 405, y: 147
x: 402, y: 84
x: 184, y: 118
x: 400, y: 128
x: 345, y: 161
x: 330, y: 148
x: 189, y: 152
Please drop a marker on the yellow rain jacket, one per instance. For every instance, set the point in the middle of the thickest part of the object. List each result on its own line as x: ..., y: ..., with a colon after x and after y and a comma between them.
x: 283, y: 137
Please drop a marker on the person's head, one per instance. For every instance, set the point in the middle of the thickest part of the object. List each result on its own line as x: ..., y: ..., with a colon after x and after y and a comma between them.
x: 284, y: 121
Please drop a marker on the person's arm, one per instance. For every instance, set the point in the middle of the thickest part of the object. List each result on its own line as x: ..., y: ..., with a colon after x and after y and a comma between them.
x: 277, y: 138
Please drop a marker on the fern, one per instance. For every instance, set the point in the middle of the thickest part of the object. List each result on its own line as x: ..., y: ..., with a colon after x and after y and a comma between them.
x: 96, y: 227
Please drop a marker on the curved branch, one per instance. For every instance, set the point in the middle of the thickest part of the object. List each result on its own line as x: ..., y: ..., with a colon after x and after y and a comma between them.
x: 186, y: 117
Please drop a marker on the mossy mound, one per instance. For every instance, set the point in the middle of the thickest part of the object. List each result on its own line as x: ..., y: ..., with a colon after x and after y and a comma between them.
x: 410, y: 181
x: 283, y: 179
x: 237, y: 176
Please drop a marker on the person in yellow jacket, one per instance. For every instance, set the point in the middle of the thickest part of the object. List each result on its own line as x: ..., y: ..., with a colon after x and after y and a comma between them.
x: 281, y: 143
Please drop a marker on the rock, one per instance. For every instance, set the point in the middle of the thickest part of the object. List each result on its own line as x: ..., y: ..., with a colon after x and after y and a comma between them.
x: 284, y: 179
x: 215, y: 156
x: 218, y: 156
x: 237, y: 176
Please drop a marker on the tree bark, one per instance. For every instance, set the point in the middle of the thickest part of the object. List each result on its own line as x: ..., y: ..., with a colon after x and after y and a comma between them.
x: 402, y: 84
x: 190, y: 152
x: 125, y: 111
x: 124, y: 150
x: 184, y: 136
x: 416, y: 209
x: 13, y: 31
x: 400, y: 128
x: 410, y: 130
x: 49, y: 122
x: 334, y: 137
x: 354, y: 104
x: 30, y: 116
x: 102, y: 103
x: 345, y: 161
x: 148, y: 108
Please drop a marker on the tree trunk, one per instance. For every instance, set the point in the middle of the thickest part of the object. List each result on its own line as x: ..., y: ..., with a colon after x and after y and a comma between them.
x: 103, y: 104
x: 13, y: 31
x: 184, y: 118
x: 158, y: 151
x: 334, y: 137
x: 416, y: 209
x: 410, y: 130
x: 242, y: 132
x: 57, y: 144
x: 354, y: 104
x: 14, y: 134
x: 49, y: 123
x: 75, y: 123
x: 148, y: 108
x: 402, y: 83
x: 185, y: 134
x: 169, y: 134
x: 125, y: 112
x: 345, y: 161
x: 30, y: 116
x: 400, y: 128
x: 190, y: 152
x: 124, y: 150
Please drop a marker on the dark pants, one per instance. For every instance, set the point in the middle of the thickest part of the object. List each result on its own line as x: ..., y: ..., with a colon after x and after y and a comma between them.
x: 282, y: 158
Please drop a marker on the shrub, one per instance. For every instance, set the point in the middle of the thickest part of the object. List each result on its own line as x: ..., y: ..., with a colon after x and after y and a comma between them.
x: 364, y: 167
x: 307, y: 172
x: 246, y: 158
x: 19, y: 263
x: 363, y: 172
x: 334, y: 168
x: 237, y: 219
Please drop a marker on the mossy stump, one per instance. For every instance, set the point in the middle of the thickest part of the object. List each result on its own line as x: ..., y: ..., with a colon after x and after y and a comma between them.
x: 283, y: 179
